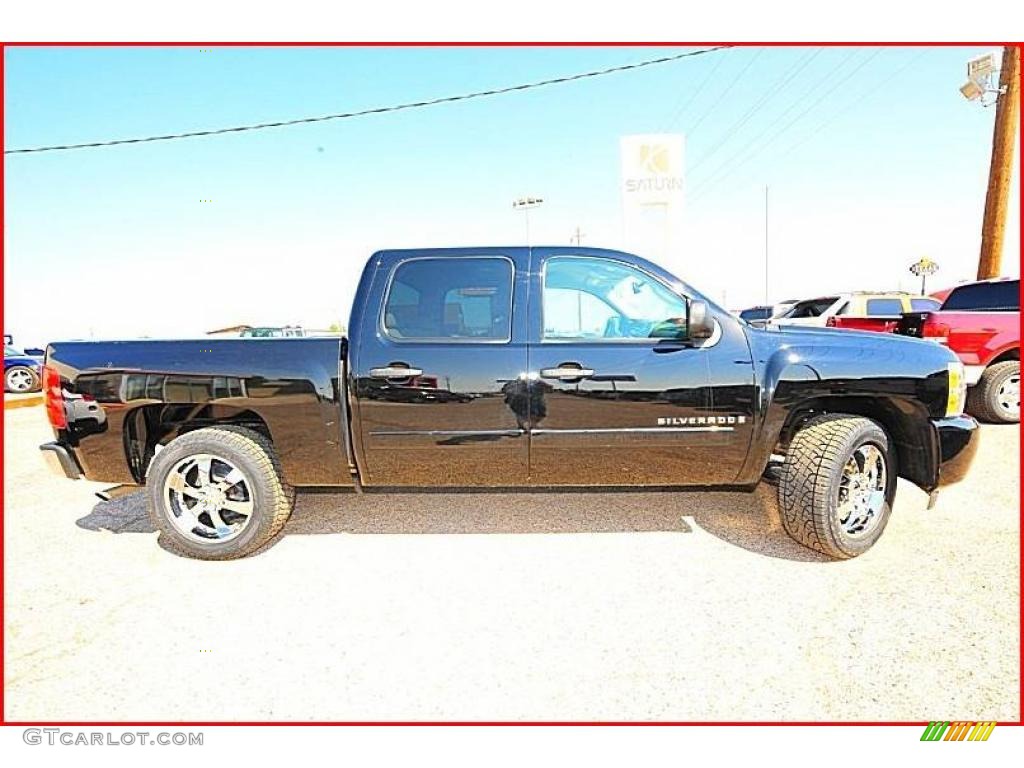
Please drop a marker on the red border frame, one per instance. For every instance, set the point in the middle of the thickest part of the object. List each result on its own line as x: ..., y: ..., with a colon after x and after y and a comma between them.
x: 462, y: 44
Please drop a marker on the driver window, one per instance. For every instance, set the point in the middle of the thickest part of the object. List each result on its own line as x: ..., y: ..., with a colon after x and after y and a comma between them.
x: 588, y: 299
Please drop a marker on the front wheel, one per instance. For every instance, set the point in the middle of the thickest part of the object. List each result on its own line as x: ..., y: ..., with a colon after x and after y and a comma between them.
x: 996, y: 396
x: 838, y: 484
x: 217, y: 493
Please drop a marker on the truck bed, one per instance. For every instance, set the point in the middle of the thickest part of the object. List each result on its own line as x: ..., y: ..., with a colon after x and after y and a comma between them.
x: 132, y: 395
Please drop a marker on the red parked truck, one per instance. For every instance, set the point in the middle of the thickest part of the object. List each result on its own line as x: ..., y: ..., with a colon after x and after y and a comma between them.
x: 980, y: 322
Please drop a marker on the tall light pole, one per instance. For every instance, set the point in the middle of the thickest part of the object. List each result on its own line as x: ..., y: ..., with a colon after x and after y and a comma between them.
x: 1001, y: 168
x: 525, y: 204
x: 978, y: 87
x: 766, y: 246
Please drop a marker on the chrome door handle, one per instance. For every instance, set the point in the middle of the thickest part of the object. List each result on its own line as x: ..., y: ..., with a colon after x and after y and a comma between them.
x: 566, y: 372
x: 394, y: 372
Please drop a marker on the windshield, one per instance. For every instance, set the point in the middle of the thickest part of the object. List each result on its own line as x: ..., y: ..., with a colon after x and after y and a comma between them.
x: 756, y: 313
x: 811, y: 307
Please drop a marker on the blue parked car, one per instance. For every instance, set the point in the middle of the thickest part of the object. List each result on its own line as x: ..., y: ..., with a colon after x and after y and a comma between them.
x: 22, y: 373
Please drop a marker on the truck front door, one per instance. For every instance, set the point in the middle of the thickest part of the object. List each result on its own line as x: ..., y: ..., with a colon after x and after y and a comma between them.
x: 440, y: 359
x: 620, y: 397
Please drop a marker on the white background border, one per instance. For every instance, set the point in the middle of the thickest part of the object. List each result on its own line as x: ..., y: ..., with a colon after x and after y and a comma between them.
x: 535, y: 20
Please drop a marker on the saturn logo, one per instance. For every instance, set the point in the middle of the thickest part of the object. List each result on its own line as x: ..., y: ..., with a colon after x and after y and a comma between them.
x: 654, y: 158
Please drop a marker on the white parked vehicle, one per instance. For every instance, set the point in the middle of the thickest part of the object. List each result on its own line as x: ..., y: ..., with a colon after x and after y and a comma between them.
x: 859, y: 304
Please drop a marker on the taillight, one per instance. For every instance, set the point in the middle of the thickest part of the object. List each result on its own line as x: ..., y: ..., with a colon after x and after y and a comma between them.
x: 54, y: 398
x: 935, y: 331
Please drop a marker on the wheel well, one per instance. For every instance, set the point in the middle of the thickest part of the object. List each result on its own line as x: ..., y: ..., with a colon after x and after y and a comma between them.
x: 906, y: 425
x: 1010, y: 354
x: 151, y: 426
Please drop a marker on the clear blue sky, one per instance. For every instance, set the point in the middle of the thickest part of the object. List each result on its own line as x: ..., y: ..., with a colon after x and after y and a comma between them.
x: 884, y: 162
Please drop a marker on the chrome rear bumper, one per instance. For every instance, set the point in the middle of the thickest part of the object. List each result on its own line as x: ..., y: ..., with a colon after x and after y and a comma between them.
x: 60, y: 461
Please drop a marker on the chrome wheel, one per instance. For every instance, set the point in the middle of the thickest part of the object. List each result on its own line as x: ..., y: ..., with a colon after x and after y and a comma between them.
x: 19, y: 380
x: 208, y: 498
x: 862, y: 491
x: 1008, y: 395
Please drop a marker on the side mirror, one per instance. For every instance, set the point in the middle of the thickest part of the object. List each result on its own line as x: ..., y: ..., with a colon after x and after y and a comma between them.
x: 699, y: 323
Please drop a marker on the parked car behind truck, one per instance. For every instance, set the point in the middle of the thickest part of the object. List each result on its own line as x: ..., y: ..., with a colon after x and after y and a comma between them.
x: 21, y: 371
x: 879, y: 313
x: 512, y: 367
x: 980, y: 323
x: 862, y: 311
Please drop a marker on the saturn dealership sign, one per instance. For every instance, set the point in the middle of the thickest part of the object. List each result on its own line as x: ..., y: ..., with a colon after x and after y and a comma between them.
x: 652, y: 194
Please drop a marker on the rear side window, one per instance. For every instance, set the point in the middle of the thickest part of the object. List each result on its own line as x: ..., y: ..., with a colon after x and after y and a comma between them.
x: 924, y: 305
x: 1002, y: 296
x: 450, y: 299
x: 884, y: 307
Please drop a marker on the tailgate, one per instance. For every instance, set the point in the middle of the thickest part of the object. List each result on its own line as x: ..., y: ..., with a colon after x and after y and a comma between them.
x: 879, y: 324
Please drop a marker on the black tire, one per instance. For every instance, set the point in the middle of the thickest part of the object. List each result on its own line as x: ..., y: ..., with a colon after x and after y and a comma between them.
x: 984, y: 399
x: 272, y: 499
x: 21, y: 369
x: 811, y: 479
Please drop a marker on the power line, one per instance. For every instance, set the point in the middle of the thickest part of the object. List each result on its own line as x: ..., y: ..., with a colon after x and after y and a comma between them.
x: 677, y: 113
x: 740, y: 155
x: 768, y: 95
x: 871, y: 91
x: 374, y: 110
x: 774, y: 122
x: 724, y: 93
x: 714, y: 181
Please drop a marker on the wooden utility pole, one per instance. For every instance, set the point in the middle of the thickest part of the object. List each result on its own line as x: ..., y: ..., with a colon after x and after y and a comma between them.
x: 766, y: 246
x: 993, y: 229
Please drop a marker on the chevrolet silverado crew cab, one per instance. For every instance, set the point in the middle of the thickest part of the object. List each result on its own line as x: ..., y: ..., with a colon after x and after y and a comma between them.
x: 512, y: 367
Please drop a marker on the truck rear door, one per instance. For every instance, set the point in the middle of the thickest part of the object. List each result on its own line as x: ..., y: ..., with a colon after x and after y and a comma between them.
x: 439, y: 369
x: 617, y: 402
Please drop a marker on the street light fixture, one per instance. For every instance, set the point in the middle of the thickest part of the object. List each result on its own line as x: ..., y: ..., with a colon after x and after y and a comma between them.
x: 524, y: 204
x: 980, y: 72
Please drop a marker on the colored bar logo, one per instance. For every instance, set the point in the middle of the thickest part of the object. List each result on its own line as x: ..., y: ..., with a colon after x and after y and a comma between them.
x: 958, y: 731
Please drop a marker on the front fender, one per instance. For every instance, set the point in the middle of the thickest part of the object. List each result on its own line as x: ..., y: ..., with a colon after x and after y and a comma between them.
x: 899, y: 383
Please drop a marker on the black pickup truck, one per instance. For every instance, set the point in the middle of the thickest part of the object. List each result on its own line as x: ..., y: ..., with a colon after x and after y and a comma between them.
x: 511, y: 367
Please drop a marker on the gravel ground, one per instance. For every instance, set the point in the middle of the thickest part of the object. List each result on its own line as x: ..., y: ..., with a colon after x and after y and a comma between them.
x: 623, y: 606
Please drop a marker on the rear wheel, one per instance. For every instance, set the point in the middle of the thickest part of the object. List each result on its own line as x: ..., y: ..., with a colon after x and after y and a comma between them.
x: 217, y: 493
x: 996, y: 396
x: 837, y: 486
x: 20, y: 378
